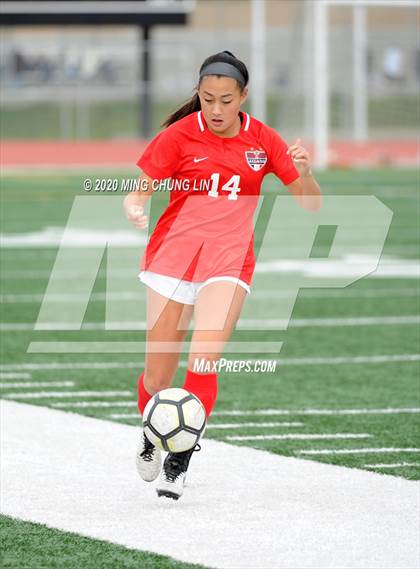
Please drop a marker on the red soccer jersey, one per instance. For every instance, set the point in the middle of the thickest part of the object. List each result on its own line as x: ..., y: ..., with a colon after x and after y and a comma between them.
x: 207, y: 228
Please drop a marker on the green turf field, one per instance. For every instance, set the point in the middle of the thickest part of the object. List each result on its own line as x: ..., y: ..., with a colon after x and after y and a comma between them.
x: 319, y: 383
x: 320, y: 387
x: 27, y: 545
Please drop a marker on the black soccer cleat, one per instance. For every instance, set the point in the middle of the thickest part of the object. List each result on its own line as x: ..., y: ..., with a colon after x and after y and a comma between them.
x: 172, y: 478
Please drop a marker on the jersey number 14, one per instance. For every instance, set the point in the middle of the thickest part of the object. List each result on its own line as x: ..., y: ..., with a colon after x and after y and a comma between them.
x: 231, y: 186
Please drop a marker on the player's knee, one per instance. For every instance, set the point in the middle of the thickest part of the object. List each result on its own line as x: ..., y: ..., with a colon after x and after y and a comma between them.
x: 155, y: 381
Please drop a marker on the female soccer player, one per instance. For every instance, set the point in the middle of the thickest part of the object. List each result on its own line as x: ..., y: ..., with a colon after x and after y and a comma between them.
x: 200, y: 255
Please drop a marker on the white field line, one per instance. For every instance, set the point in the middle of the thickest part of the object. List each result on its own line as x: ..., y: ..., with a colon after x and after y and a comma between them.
x: 298, y: 437
x: 388, y: 191
x: 253, y: 425
x: 93, y: 490
x: 24, y: 170
x: 85, y: 404
x: 394, y: 250
x: 284, y: 361
x: 351, y: 265
x: 361, y: 411
x: 221, y: 425
x: 256, y: 295
x: 255, y: 323
x: 72, y: 237
x: 45, y: 274
x: 410, y: 271
x: 58, y: 394
x: 357, y: 451
x: 130, y: 416
x: 38, y: 384
x: 246, y: 413
x: 344, y: 293
x: 350, y: 360
x: 328, y: 322
x: 392, y: 465
x: 243, y: 413
x: 75, y: 365
x: 139, y: 347
x: 71, y: 298
x: 348, y: 266
x: 13, y: 375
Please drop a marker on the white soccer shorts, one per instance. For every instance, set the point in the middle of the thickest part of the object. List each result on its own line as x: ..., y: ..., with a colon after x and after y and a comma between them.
x: 179, y: 290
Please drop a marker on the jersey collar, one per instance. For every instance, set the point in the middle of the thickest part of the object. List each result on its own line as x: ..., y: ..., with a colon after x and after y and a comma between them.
x: 246, y: 120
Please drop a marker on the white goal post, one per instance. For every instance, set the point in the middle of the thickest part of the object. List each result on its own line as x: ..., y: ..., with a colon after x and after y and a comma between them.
x: 321, y: 68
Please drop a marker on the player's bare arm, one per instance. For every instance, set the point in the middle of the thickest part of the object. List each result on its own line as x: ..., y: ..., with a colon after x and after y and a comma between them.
x: 135, y: 203
x: 305, y: 189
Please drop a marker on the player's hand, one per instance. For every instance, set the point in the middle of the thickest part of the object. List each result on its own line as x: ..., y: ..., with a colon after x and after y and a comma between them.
x: 135, y: 214
x: 301, y: 158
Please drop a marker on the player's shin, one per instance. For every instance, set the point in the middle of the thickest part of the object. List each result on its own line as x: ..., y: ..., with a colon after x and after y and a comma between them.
x: 143, y: 395
x: 204, y: 386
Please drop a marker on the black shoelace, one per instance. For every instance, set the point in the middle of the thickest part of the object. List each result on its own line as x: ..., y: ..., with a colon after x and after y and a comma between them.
x: 177, y: 463
x: 147, y: 454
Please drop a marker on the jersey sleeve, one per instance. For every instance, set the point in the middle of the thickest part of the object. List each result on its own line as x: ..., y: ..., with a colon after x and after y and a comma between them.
x: 279, y: 162
x: 161, y: 158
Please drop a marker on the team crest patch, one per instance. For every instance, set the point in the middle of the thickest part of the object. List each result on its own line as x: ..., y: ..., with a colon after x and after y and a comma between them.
x: 256, y: 159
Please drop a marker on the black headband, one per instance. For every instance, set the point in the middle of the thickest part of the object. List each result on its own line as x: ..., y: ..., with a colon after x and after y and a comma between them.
x: 225, y: 69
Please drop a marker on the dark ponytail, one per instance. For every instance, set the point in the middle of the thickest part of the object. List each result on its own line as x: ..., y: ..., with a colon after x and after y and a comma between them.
x: 193, y: 105
x: 190, y: 106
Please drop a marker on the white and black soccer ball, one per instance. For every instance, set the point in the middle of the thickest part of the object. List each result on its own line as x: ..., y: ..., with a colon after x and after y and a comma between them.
x: 174, y: 420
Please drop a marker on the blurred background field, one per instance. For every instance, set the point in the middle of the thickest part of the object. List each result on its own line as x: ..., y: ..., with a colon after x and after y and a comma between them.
x: 389, y: 116
x: 81, y: 82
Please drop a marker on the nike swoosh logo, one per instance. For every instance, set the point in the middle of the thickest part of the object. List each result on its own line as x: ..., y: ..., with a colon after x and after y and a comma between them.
x: 200, y: 159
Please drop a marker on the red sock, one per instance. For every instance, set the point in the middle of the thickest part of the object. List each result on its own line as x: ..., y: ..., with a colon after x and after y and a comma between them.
x: 204, y: 386
x: 143, y: 395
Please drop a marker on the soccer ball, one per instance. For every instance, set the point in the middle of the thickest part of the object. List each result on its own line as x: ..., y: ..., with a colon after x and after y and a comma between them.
x: 174, y: 420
